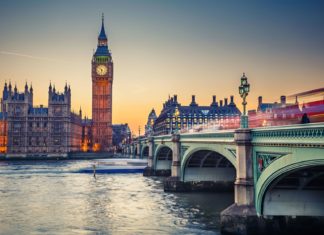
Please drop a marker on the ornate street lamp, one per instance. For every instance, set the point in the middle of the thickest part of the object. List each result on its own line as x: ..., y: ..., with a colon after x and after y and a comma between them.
x: 176, y: 115
x: 244, y: 90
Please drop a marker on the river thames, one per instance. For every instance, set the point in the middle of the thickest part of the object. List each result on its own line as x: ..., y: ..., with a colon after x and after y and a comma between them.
x: 51, y: 197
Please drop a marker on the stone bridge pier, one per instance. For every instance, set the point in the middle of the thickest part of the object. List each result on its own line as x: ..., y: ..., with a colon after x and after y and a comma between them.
x: 132, y: 151
x: 149, y: 171
x: 174, y: 182
x: 241, y: 217
x: 138, y: 150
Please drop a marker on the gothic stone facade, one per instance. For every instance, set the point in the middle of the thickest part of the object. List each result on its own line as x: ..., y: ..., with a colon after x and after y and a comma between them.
x: 39, y: 130
x: 3, y: 133
x: 150, y: 123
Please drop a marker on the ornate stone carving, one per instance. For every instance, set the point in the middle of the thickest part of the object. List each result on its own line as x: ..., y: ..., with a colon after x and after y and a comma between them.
x: 264, y: 159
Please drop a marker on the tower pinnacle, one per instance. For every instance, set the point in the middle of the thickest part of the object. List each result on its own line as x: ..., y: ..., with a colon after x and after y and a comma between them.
x: 102, y: 34
x: 102, y: 48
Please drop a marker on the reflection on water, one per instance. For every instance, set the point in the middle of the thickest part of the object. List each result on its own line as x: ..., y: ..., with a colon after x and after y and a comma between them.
x: 50, y: 197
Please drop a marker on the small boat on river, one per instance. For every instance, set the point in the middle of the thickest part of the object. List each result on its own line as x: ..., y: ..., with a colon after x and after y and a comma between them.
x: 115, y: 166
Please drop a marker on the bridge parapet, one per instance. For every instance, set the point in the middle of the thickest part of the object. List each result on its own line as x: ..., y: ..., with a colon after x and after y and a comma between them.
x: 225, y: 136
x: 298, y: 135
x: 161, y: 139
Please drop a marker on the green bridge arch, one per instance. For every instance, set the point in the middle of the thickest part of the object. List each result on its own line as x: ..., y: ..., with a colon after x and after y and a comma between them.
x: 157, y: 150
x: 227, y: 151
x: 297, y: 159
x: 143, y: 148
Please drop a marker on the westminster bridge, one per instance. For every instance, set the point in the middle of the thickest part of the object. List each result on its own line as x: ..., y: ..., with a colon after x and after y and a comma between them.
x: 273, y: 171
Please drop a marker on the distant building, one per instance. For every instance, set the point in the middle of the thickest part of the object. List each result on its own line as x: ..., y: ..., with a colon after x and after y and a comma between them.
x: 121, y: 135
x: 225, y: 114
x: 87, y: 136
x: 275, y: 114
x: 3, y: 132
x: 27, y: 129
x: 150, y: 123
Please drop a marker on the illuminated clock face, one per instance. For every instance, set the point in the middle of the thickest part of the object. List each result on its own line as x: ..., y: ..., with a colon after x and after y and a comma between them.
x: 101, y: 70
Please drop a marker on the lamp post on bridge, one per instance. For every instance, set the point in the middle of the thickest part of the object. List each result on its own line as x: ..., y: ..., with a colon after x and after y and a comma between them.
x: 241, y: 217
x: 244, y: 90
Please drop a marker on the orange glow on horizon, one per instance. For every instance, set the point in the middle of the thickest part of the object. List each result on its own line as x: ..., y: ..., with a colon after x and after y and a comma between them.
x: 199, y: 49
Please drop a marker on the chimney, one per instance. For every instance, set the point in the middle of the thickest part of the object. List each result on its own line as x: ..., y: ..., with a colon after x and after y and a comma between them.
x: 232, y: 99
x: 193, y: 101
x: 260, y: 100
x: 225, y: 101
x: 175, y: 98
x: 283, y: 99
x: 214, y: 103
x: 221, y: 103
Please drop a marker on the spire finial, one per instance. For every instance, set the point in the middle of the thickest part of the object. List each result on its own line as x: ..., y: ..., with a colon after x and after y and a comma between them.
x: 102, y: 17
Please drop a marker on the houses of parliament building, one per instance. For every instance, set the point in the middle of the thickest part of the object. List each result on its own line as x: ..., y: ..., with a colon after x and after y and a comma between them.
x: 55, y: 130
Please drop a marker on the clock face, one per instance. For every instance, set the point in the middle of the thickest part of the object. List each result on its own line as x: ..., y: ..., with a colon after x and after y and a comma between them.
x: 101, y: 70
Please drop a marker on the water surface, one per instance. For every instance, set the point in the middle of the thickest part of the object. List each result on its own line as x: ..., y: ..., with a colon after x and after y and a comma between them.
x: 52, y: 197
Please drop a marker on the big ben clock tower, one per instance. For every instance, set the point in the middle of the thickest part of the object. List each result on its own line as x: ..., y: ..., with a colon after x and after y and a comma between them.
x: 102, y: 79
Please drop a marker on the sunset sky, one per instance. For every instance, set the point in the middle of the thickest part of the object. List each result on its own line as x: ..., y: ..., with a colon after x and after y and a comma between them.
x: 163, y: 48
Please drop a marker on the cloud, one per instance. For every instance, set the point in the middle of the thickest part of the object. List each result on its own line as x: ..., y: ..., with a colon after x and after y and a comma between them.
x: 29, y: 56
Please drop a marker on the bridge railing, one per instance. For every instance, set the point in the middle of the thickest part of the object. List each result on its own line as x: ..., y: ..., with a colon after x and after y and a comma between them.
x: 162, y: 137
x: 302, y: 135
x: 225, y: 136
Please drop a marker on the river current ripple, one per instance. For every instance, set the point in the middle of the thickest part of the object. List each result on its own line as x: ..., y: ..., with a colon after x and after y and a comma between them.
x: 51, y: 197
